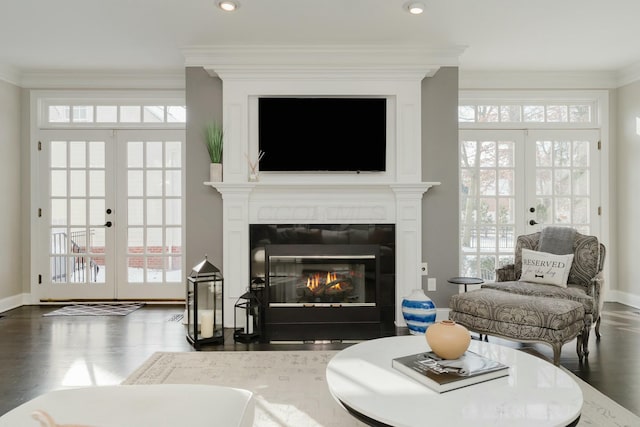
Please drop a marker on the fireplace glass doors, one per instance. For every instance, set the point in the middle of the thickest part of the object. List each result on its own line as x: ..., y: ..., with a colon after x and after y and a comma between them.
x: 322, y: 275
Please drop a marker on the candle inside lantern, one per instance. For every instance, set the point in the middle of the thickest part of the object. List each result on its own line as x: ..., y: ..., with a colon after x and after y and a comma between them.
x: 206, y: 324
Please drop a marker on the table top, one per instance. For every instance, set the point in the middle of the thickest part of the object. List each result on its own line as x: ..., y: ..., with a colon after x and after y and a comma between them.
x: 465, y: 280
x: 535, y: 393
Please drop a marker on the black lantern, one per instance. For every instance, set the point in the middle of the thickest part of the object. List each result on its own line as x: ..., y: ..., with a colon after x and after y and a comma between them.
x: 205, y: 305
x: 247, y: 312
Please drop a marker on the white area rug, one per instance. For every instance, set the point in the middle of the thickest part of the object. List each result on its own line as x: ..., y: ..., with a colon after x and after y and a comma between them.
x: 291, y: 390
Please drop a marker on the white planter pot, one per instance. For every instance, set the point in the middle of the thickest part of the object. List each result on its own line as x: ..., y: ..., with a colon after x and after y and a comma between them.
x: 215, y: 172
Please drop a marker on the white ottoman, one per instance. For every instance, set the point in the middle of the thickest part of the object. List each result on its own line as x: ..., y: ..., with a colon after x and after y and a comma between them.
x: 163, y: 405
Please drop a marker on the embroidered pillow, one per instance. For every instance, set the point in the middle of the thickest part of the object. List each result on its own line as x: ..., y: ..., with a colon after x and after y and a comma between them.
x: 543, y: 267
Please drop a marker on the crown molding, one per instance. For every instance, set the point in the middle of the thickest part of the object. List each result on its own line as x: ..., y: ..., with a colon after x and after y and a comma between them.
x: 630, y: 74
x: 73, y: 79
x: 9, y: 74
x: 497, y: 79
x: 324, y: 61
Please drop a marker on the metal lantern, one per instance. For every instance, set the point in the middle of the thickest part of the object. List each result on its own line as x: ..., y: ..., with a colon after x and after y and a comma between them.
x: 246, y: 311
x: 204, y: 302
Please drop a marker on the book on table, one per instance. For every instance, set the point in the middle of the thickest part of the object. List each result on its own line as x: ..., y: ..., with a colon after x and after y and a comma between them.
x: 443, y: 375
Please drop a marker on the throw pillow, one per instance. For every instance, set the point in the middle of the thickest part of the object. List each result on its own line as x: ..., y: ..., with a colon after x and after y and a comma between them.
x: 543, y: 267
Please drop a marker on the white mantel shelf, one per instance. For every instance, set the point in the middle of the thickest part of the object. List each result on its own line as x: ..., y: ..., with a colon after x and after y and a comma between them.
x: 223, y: 187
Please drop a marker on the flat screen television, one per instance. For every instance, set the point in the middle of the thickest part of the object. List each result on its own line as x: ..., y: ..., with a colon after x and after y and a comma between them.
x: 322, y: 134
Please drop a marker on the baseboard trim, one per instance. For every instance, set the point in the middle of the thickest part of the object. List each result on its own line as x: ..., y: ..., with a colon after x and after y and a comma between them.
x: 625, y: 298
x: 14, y: 301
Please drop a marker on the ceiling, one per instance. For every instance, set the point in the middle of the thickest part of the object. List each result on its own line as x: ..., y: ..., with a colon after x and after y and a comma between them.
x: 149, y: 35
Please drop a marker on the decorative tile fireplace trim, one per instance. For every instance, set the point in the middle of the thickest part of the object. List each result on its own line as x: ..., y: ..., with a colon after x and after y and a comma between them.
x: 264, y: 203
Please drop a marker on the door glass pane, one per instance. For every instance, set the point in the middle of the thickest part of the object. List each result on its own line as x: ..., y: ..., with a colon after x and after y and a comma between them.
x: 135, y: 212
x: 77, y: 183
x: 173, y: 156
x: 96, y: 183
x: 96, y: 212
x: 77, y: 154
x: 135, y: 154
x: 154, y: 154
x: 58, y: 154
x: 134, y: 183
x: 173, y: 183
x: 135, y: 240
x: 96, y: 154
x: 154, y: 183
x: 58, y: 183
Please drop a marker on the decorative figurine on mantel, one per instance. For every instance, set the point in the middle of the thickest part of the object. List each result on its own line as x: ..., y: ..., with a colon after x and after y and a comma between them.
x: 253, y: 166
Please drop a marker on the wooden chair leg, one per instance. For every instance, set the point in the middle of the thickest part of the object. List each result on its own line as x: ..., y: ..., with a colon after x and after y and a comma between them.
x: 585, y: 341
x: 598, y: 328
x: 557, y: 348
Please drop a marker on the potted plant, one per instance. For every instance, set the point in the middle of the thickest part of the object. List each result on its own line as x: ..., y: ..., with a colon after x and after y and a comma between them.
x: 213, y: 140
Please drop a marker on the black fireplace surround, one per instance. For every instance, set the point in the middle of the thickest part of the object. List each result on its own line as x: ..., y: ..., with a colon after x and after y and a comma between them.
x: 324, y: 282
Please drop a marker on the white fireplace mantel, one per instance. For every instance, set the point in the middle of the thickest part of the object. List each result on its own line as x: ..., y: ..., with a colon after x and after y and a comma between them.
x: 391, y: 196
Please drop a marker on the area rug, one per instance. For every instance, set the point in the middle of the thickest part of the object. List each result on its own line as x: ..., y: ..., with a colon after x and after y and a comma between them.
x: 291, y: 390
x: 95, y: 310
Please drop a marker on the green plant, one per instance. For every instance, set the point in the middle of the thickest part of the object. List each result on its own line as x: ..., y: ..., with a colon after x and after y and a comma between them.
x: 214, y: 140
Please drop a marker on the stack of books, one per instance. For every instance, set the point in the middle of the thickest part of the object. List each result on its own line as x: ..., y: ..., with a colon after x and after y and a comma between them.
x: 444, y: 375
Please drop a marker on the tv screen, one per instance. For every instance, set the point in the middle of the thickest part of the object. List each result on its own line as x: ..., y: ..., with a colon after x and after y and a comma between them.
x: 322, y: 134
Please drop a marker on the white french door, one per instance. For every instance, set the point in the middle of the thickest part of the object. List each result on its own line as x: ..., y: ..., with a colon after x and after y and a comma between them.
x: 111, y: 213
x: 516, y: 182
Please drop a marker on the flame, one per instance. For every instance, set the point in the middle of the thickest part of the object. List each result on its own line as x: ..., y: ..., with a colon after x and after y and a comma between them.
x: 316, y: 282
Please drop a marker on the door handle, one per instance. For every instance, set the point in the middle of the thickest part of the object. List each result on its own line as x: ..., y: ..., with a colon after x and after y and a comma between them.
x: 532, y: 222
x: 108, y: 224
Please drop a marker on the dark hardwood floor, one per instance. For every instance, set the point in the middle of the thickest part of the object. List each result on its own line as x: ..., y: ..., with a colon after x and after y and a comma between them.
x: 39, y: 354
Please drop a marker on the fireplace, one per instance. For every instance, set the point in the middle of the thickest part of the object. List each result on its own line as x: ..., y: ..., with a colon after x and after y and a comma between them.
x: 325, y: 282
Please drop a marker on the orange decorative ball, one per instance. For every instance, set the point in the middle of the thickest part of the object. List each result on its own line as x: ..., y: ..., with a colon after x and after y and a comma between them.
x: 448, y: 339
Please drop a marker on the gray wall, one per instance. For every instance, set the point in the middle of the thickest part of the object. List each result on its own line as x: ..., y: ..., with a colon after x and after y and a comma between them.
x: 11, y: 246
x: 203, y: 218
x: 440, y: 225
x: 439, y: 159
x: 627, y: 176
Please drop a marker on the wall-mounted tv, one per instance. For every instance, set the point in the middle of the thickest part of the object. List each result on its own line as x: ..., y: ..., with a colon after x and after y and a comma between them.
x: 322, y: 134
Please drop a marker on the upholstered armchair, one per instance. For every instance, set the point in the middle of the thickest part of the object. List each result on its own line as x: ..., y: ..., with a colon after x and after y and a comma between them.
x: 584, y: 284
x: 552, y: 293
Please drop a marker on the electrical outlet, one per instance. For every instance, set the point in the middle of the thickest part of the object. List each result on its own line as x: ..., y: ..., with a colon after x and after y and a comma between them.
x: 424, y: 269
x: 431, y: 284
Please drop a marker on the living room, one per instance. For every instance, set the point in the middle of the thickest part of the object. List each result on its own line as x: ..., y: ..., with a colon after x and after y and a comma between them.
x: 205, y: 89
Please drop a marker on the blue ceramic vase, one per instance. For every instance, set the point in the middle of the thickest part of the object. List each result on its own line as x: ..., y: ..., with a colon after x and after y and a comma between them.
x: 418, y: 311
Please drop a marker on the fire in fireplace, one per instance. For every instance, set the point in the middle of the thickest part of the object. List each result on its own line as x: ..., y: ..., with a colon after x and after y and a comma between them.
x: 309, y: 275
x: 332, y: 286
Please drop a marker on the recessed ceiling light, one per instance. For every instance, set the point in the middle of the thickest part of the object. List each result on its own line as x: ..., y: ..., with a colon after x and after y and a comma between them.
x: 415, y: 8
x: 227, y: 5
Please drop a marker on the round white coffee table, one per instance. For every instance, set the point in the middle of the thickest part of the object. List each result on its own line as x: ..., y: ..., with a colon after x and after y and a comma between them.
x: 535, y: 393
